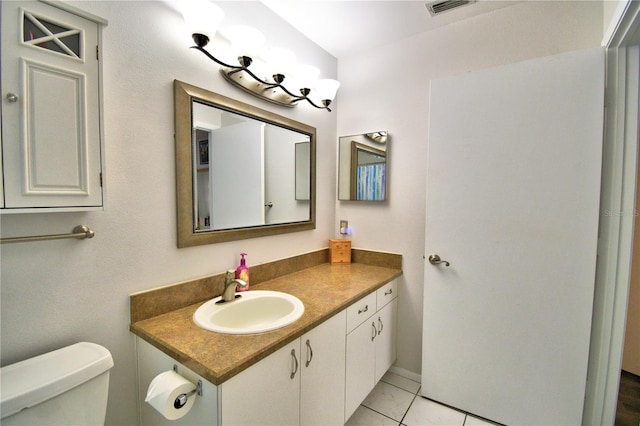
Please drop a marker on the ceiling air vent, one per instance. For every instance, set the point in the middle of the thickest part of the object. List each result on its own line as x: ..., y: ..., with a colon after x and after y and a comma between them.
x: 438, y: 7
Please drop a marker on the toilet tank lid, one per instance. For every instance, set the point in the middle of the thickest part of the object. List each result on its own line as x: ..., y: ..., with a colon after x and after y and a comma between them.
x: 34, y: 380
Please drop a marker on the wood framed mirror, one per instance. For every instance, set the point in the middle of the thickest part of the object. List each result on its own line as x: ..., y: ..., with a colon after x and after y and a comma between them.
x: 363, y: 167
x: 240, y: 170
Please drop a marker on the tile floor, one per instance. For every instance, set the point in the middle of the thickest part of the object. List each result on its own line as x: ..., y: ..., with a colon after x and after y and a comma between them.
x: 395, y: 401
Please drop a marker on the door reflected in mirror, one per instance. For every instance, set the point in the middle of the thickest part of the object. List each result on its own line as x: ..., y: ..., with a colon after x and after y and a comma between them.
x: 242, y: 172
x: 363, y: 167
x: 256, y: 173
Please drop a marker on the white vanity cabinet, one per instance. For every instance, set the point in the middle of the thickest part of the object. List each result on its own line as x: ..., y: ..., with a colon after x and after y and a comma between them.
x: 386, y: 323
x: 371, y: 343
x: 51, y: 144
x: 301, y: 383
x: 268, y: 392
x: 151, y: 362
x: 323, y: 373
x: 319, y: 378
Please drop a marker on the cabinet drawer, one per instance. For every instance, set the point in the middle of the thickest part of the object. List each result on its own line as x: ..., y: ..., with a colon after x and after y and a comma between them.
x: 386, y: 293
x: 360, y: 311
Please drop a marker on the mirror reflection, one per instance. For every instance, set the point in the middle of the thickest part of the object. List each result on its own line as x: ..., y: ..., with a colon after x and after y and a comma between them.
x: 362, y: 167
x: 242, y: 172
x: 248, y: 172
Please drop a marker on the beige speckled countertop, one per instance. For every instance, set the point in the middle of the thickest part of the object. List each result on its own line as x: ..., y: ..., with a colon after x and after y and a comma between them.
x: 324, y: 289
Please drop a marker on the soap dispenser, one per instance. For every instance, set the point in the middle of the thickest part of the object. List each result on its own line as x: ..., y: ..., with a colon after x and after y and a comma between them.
x: 242, y: 273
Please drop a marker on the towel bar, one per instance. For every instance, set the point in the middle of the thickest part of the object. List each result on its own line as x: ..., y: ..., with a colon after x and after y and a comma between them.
x: 80, y: 232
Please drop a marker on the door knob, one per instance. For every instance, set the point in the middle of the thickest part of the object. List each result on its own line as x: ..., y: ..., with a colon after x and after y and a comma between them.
x: 434, y: 259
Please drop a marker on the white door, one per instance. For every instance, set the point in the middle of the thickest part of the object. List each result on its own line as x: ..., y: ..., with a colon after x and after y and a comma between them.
x: 236, y: 176
x: 513, y: 189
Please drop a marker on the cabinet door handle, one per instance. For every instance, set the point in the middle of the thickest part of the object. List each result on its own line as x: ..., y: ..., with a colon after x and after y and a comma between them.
x: 365, y: 309
x: 309, y: 354
x: 294, y: 366
x: 381, y: 326
x: 375, y: 331
x: 386, y: 293
x: 12, y: 97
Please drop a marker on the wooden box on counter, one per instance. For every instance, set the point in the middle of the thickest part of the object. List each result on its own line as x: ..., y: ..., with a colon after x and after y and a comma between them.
x: 339, y: 251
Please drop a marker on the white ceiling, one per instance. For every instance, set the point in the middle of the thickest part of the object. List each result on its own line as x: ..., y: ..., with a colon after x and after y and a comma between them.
x: 345, y: 27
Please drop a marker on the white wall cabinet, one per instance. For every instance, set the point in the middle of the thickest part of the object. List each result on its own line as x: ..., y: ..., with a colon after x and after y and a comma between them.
x: 52, y: 153
x: 371, y: 344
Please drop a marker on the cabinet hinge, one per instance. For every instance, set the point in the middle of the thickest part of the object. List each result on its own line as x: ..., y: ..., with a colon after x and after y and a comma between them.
x: 100, y: 179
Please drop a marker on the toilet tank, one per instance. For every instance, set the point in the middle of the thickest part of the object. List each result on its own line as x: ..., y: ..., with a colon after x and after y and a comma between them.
x: 64, y: 387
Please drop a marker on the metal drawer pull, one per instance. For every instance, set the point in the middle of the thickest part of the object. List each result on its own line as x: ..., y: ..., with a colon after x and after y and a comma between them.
x: 434, y: 259
x: 366, y: 308
x: 309, y: 354
x: 386, y: 293
x: 381, y: 326
x: 294, y: 368
x: 375, y: 331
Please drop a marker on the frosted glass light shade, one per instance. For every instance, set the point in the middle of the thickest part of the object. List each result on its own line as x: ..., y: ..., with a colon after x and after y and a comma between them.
x: 306, y: 76
x: 245, y: 40
x: 202, y: 17
x: 326, y: 89
x: 281, y: 61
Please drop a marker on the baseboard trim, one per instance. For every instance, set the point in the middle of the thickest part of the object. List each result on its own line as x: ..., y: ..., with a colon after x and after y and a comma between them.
x: 406, y: 374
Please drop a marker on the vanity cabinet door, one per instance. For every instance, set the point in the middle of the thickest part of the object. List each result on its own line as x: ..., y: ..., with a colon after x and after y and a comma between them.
x: 51, y: 109
x: 371, y: 347
x: 386, y: 339
x: 323, y: 373
x: 267, y: 393
x: 361, y: 349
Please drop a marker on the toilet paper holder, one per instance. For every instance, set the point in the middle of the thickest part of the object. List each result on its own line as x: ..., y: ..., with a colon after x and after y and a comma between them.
x: 181, y: 399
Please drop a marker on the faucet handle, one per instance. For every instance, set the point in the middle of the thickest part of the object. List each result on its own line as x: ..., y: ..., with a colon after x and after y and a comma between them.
x: 230, y: 276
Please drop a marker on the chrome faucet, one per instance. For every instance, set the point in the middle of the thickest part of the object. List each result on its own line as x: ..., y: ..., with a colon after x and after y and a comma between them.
x: 230, y: 283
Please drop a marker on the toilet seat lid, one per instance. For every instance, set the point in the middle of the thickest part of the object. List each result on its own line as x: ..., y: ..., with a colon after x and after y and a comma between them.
x: 34, y: 380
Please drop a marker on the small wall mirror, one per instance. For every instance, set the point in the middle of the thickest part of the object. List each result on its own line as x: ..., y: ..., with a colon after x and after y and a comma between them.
x: 242, y: 172
x: 362, y: 169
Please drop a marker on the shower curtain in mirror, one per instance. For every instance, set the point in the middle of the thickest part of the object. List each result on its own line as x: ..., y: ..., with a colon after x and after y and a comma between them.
x: 371, y: 182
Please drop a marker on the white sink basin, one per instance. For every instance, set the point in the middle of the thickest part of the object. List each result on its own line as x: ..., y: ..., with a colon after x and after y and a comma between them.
x: 255, y: 311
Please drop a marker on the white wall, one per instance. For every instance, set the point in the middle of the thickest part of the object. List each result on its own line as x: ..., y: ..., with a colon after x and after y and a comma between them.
x: 377, y: 85
x: 59, y: 292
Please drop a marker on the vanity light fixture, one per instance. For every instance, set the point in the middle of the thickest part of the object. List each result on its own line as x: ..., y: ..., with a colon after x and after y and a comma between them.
x: 265, y: 80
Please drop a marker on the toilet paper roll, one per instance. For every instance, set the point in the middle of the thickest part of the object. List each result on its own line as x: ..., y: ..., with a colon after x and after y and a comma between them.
x: 163, y: 391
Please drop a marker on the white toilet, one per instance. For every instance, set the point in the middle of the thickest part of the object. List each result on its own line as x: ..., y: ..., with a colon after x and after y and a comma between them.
x: 68, y: 386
